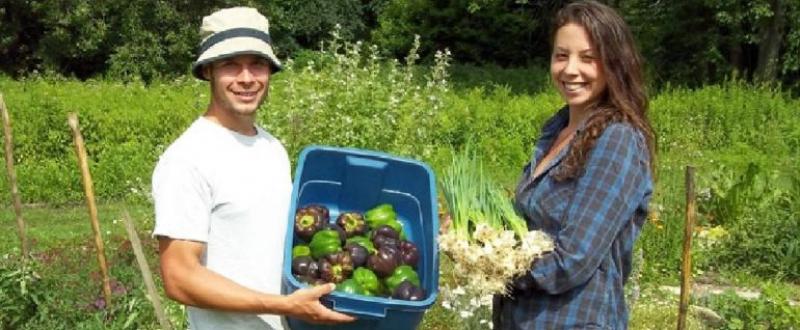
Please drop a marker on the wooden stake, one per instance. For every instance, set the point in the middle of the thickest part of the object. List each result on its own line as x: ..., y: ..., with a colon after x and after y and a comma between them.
x: 686, y: 266
x: 12, y: 178
x: 152, y: 294
x: 88, y: 189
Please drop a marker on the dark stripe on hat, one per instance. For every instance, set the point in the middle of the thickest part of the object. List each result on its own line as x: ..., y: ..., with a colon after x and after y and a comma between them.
x: 234, y: 33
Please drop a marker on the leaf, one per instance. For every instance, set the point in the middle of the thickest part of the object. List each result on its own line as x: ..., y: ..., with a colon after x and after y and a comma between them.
x: 129, y: 321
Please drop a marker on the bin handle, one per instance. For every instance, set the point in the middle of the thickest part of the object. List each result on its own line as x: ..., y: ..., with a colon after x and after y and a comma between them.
x: 366, y: 162
x: 362, y: 311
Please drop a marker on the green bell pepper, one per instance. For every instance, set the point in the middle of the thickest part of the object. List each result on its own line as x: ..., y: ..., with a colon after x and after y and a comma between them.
x: 325, y: 242
x: 380, y: 215
x: 384, y: 214
x: 400, y: 274
x: 367, y: 280
x: 363, y: 241
x: 300, y: 251
x: 351, y: 286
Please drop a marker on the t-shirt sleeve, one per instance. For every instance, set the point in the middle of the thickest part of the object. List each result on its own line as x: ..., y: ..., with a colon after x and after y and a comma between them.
x: 182, y: 200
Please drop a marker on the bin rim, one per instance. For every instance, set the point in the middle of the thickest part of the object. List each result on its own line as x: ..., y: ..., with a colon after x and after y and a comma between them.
x: 361, y: 152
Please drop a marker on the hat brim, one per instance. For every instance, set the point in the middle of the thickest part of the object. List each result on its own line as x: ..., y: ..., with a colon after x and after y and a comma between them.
x: 234, y: 47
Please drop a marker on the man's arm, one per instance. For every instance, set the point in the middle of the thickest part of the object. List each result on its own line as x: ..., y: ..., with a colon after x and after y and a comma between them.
x: 187, y: 281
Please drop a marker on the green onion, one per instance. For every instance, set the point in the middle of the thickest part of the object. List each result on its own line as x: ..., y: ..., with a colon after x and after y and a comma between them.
x: 473, y: 198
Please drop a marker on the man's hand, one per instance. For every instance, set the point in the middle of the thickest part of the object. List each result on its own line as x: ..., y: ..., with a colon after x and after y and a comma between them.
x: 304, y: 304
x: 190, y: 283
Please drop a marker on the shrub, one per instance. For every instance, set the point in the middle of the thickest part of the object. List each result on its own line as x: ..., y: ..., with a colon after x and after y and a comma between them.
x: 348, y: 95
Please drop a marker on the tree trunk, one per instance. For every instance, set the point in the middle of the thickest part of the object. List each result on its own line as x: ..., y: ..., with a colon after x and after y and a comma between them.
x: 770, y: 37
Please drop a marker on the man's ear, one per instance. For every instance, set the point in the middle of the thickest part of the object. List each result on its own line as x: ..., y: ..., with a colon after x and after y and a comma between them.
x: 207, y: 71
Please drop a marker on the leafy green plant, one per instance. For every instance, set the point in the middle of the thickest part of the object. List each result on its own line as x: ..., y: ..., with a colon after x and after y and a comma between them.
x: 21, y: 293
x: 348, y: 95
x: 757, y: 209
x: 771, y: 310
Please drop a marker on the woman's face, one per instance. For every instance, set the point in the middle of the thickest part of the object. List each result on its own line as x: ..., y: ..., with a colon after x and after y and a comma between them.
x: 575, y: 67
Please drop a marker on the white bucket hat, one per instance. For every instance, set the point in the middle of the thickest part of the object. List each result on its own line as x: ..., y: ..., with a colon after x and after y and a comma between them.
x: 231, y: 32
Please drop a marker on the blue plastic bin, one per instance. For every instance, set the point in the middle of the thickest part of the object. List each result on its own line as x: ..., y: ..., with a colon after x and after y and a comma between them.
x: 346, y: 179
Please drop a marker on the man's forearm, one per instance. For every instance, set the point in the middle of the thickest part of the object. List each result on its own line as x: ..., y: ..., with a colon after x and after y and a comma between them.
x: 201, y: 287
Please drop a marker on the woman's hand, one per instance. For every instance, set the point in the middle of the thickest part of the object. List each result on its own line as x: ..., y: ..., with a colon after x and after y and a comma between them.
x: 523, y: 285
x: 444, y: 224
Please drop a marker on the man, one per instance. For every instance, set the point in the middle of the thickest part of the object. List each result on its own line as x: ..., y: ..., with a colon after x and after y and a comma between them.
x: 222, y: 192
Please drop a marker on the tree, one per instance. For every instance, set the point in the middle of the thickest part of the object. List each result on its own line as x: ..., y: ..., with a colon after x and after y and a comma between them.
x: 147, y: 39
x: 503, y: 32
x: 771, y: 35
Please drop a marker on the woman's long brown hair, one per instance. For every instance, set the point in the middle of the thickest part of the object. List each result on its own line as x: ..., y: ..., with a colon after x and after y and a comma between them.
x: 625, y: 98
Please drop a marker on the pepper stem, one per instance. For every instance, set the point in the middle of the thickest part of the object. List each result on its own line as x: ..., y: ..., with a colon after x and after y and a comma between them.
x: 306, y: 221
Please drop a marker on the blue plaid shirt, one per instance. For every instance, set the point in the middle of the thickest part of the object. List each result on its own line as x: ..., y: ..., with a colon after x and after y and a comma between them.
x: 594, y: 220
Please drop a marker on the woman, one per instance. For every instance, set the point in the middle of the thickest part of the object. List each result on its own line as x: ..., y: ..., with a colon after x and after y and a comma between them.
x: 589, y: 181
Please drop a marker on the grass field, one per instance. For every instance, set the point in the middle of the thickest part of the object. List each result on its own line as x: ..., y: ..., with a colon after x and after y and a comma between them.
x: 62, y: 241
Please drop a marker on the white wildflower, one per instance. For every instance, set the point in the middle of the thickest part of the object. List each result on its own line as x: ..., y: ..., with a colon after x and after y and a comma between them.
x: 459, y: 290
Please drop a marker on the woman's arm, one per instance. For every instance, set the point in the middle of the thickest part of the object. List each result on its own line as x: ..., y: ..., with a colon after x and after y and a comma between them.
x: 615, y: 181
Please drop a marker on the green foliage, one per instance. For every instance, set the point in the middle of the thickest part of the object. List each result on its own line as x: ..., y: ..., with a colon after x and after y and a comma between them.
x: 347, y: 95
x: 305, y: 24
x: 147, y: 39
x: 21, y: 293
x: 759, y: 211
x: 771, y: 310
x: 132, y: 40
x: 720, y: 129
x: 724, y: 38
x: 61, y: 281
x: 155, y: 39
x: 501, y: 32
x: 524, y: 80
x: 723, y: 117
x: 125, y: 128
x: 152, y: 39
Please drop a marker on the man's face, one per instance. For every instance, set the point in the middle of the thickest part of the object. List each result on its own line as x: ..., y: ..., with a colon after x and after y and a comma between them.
x: 239, y: 84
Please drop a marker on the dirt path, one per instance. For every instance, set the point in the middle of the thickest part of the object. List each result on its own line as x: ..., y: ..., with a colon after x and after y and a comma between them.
x: 702, y: 290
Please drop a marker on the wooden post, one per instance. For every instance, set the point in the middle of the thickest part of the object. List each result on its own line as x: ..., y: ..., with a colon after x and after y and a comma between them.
x: 686, y: 266
x: 12, y: 178
x: 152, y: 294
x: 88, y: 189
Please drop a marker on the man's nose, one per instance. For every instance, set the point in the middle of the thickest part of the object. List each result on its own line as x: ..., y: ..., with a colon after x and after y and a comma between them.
x: 246, y: 76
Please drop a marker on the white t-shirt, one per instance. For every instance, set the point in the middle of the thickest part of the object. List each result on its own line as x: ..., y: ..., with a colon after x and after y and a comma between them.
x: 232, y: 192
